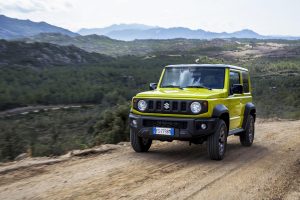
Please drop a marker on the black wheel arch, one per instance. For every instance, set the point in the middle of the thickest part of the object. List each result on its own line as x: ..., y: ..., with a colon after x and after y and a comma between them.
x: 221, y: 111
x: 249, y: 110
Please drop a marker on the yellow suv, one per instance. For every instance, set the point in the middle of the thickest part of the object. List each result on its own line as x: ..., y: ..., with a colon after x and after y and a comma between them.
x: 195, y: 103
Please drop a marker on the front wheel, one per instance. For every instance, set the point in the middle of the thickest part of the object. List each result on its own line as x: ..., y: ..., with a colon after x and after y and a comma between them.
x: 139, y: 144
x: 216, y: 143
x: 247, y: 137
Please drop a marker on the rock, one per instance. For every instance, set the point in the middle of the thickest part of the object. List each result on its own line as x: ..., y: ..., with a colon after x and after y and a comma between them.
x: 22, y: 156
x: 124, y: 143
x: 68, y: 155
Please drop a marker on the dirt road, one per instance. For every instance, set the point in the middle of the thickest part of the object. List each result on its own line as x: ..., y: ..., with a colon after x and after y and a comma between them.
x: 270, y: 169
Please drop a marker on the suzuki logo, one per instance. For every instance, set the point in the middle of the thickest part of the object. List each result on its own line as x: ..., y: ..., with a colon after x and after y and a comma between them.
x: 166, y: 106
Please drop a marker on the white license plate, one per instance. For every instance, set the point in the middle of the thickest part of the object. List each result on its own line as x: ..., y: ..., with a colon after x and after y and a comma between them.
x: 163, y: 131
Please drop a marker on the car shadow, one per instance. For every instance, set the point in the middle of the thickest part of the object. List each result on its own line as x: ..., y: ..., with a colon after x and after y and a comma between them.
x: 182, y: 152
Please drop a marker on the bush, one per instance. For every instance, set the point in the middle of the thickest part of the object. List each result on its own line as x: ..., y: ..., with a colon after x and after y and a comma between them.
x: 112, y: 126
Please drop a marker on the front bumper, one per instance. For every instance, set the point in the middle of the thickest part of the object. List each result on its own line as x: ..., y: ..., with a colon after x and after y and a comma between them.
x: 185, y: 128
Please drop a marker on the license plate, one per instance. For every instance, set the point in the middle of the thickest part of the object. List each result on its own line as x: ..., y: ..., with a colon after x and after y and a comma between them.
x: 163, y: 131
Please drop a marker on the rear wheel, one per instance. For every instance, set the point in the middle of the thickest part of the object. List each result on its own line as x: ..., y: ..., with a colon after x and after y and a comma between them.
x: 247, y: 137
x: 216, y: 143
x: 139, y: 144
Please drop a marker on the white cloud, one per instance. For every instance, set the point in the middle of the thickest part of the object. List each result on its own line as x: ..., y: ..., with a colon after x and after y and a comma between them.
x: 28, y: 6
x: 21, y: 6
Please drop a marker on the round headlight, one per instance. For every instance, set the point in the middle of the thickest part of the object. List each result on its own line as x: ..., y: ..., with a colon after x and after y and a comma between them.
x: 195, y: 107
x: 142, y: 105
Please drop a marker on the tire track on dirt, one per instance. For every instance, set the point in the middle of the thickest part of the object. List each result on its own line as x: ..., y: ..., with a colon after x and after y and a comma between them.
x: 173, y: 171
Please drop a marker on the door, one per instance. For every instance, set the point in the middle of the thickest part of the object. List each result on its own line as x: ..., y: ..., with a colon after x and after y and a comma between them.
x: 247, y: 97
x: 234, y: 101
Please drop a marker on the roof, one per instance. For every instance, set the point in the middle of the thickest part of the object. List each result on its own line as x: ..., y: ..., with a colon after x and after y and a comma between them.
x: 209, y: 65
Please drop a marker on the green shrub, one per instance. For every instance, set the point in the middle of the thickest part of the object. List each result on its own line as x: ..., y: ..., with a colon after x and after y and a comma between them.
x: 113, y: 125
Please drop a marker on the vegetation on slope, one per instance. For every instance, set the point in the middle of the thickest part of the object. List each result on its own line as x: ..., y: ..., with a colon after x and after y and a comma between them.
x: 42, y: 55
x: 108, y: 46
x: 110, y: 83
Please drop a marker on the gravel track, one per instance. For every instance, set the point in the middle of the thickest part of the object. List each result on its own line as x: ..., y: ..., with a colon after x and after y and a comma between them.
x: 270, y: 169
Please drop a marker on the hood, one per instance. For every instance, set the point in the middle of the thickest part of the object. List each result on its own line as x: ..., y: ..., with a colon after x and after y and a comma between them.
x: 186, y: 93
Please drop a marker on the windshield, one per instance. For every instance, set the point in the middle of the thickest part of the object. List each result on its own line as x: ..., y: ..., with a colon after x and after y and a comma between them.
x: 193, y: 77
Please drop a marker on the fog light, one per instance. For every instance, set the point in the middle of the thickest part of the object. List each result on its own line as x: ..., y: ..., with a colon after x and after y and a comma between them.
x: 134, y: 122
x: 203, y: 126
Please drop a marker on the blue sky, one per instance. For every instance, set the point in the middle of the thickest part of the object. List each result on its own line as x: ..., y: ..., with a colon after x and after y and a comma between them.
x: 267, y: 17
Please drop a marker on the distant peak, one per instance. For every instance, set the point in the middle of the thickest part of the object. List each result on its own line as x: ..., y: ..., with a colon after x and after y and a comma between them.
x: 13, y: 28
x: 246, y: 31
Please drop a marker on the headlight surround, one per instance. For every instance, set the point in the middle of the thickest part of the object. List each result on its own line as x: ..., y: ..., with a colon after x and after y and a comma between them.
x: 142, y: 105
x: 196, y: 107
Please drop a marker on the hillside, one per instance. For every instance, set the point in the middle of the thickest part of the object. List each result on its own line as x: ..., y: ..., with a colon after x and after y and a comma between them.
x: 11, y: 28
x: 49, y: 74
x: 178, y: 32
x: 108, y: 46
x: 274, y: 68
x: 15, y: 53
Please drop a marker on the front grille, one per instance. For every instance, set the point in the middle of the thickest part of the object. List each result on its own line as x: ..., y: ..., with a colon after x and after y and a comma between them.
x: 167, y: 106
x: 183, y: 106
x: 175, y: 105
x: 158, y: 105
x: 150, y: 106
x: 164, y: 123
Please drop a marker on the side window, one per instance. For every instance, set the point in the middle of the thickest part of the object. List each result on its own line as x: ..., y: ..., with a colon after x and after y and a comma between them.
x: 245, y: 82
x: 234, y: 79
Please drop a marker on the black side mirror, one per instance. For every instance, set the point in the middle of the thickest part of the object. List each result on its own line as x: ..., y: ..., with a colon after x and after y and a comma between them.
x: 237, y: 89
x: 152, y: 86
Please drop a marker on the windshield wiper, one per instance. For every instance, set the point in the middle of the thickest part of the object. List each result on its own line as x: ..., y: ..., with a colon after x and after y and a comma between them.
x: 197, y: 86
x: 171, y: 86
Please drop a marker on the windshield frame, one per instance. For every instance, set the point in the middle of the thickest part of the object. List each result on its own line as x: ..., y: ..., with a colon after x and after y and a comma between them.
x: 189, y: 67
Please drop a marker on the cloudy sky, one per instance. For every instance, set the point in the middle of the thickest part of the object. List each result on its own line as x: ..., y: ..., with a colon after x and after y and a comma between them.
x: 268, y: 17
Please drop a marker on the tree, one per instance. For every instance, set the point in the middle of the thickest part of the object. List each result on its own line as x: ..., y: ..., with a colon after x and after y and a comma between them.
x: 113, y: 125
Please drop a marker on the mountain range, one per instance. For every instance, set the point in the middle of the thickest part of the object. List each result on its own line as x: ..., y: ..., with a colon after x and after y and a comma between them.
x: 113, y: 28
x: 11, y: 28
x: 129, y: 32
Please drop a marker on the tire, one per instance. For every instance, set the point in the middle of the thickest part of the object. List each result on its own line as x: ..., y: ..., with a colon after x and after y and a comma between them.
x: 217, y: 142
x: 247, y: 137
x: 139, y: 144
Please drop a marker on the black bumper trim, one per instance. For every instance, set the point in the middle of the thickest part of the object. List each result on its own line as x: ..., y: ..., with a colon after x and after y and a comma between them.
x: 188, y: 128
